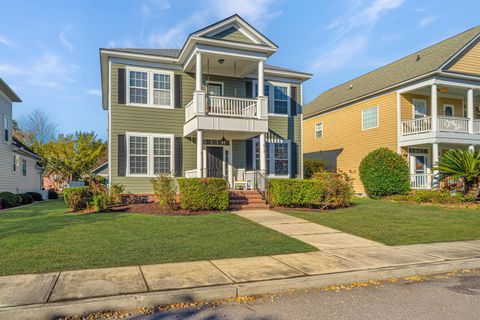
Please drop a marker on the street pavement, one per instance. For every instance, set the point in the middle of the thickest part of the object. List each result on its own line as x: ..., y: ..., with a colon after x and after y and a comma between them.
x: 449, y: 296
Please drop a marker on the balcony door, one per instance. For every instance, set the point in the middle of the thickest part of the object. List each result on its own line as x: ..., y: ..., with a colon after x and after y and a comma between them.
x: 214, y: 88
x: 419, y: 108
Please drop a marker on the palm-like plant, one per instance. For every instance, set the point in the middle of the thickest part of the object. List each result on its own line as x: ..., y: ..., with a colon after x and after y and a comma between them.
x: 460, y: 164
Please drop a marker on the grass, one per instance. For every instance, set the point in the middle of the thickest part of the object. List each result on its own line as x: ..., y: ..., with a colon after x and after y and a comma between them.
x: 397, y: 223
x: 42, y: 238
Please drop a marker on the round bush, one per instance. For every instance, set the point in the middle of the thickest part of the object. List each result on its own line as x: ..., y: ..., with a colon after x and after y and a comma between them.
x: 36, y: 196
x: 26, y: 198
x: 52, y: 194
x: 384, y: 172
x: 9, y: 199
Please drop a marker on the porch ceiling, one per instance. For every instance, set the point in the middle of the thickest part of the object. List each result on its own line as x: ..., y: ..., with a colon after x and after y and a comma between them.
x: 452, y: 92
x: 224, y: 65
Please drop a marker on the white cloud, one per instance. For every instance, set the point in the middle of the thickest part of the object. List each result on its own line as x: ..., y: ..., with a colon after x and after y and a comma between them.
x: 63, y: 38
x: 151, y: 6
x: 256, y: 12
x: 94, y: 92
x: 340, y: 55
x: 4, y: 41
x: 368, y: 16
x: 426, y: 21
x: 171, y: 38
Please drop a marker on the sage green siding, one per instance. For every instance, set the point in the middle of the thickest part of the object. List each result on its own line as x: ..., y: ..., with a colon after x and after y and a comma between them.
x: 125, y: 118
x: 232, y: 34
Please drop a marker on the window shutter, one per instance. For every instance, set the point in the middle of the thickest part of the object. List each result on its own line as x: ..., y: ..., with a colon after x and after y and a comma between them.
x: 293, y: 100
x: 178, y: 156
x: 294, y: 160
x: 121, y: 86
x: 248, y: 154
x: 248, y: 89
x: 178, y: 91
x: 122, y: 155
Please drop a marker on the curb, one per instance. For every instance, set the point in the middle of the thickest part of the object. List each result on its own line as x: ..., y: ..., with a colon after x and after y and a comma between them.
x: 133, y: 301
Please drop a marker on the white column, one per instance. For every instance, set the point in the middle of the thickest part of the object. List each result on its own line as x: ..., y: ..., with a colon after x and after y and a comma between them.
x: 470, y: 111
x: 260, y: 79
x: 263, y: 155
x: 435, y: 155
x: 434, y: 109
x: 198, y: 72
x: 199, y: 153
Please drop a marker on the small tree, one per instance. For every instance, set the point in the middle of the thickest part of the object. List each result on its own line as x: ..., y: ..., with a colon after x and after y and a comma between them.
x: 460, y: 164
x: 164, y: 188
x: 36, y: 129
x: 312, y: 166
x: 384, y: 172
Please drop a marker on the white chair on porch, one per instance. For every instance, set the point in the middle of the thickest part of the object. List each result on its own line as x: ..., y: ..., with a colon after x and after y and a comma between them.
x: 241, y: 180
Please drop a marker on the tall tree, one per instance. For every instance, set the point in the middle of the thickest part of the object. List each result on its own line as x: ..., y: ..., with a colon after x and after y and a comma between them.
x: 71, y: 157
x: 37, y: 129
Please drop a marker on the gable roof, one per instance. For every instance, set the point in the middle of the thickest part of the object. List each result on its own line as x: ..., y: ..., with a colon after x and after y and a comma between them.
x: 415, y: 65
x: 8, y: 91
x: 22, y: 147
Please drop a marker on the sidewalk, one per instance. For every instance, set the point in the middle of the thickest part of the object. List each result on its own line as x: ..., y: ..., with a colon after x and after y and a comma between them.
x: 342, y: 258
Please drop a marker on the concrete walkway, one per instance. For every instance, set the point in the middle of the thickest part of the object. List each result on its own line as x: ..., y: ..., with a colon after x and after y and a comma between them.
x: 341, y: 258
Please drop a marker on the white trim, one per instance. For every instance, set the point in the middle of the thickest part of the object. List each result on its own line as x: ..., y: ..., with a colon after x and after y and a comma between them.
x: 109, y: 122
x: 271, y: 97
x: 399, y: 122
x: 271, y: 153
x: 459, y: 51
x: 150, y: 90
x: 316, y: 130
x: 301, y: 132
x: 378, y: 118
x: 150, y: 156
x: 221, y: 83
x: 225, y: 165
x: 451, y: 106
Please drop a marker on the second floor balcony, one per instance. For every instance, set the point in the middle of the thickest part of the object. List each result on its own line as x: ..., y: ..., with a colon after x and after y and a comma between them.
x: 444, y: 124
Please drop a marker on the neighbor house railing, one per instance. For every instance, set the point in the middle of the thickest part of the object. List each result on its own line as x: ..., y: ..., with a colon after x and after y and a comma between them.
x: 421, y: 181
x: 476, y: 126
x: 416, y: 126
x: 452, y: 124
x: 231, y: 106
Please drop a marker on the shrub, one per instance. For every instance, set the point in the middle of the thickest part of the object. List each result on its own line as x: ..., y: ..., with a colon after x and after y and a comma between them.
x: 19, y: 200
x: 337, y: 188
x: 52, y: 194
x: 435, y: 196
x: 10, y: 200
x: 116, y: 191
x: 164, y: 187
x: 100, y: 202
x: 26, y: 198
x: 312, y: 166
x: 36, y: 196
x: 77, y: 198
x: 384, y: 172
x: 203, y: 193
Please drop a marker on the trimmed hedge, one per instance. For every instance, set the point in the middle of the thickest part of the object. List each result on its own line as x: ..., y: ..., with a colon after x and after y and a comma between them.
x: 203, y: 193
x: 52, y: 194
x: 384, y: 172
x: 9, y: 200
x: 26, y: 198
x: 77, y: 198
x: 36, y: 196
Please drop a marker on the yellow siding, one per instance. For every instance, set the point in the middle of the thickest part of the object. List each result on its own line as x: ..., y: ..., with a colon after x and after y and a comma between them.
x: 343, y: 130
x: 406, y: 101
x: 469, y: 62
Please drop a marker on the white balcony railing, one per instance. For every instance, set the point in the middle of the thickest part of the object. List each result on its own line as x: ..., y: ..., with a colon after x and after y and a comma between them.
x: 451, y: 124
x: 416, y: 126
x: 421, y: 181
x: 231, y: 106
x: 476, y: 126
x: 189, y: 111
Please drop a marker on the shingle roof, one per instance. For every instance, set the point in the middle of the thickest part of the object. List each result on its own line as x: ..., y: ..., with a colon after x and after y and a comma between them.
x: 9, y: 92
x: 414, y: 65
x: 19, y: 144
x: 174, y: 53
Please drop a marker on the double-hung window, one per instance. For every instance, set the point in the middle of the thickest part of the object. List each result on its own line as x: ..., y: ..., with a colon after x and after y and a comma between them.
x: 15, y: 160
x: 280, y: 100
x: 319, y: 130
x: 24, y: 167
x: 6, y: 129
x: 149, y: 154
x: 277, y: 156
x: 370, y: 118
x: 150, y: 88
x: 281, y: 158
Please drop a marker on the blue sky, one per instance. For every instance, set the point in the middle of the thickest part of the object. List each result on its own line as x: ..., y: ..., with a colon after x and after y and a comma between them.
x: 49, y: 49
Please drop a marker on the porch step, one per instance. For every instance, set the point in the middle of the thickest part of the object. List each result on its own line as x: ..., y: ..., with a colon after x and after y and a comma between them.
x: 246, y: 199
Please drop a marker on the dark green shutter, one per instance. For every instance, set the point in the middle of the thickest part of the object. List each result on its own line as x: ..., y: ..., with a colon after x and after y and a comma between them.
x: 122, y: 155
x: 121, y: 86
x: 178, y: 156
x: 293, y: 100
x: 178, y: 91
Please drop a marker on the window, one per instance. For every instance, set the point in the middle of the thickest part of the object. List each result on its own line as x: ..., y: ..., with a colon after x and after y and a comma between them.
x: 6, y: 127
x: 277, y: 154
x: 161, y: 89
x: 280, y: 100
x: 14, y: 163
x: 319, y: 130
x: 150, y: 88
x: 448, y: 110
x: 370, y: 118
x: 138, y: 87
x: 162, y: 155
x: 266, y: 90
x: 24, y: 167
x: 149, y: 154
x: 419, y: 108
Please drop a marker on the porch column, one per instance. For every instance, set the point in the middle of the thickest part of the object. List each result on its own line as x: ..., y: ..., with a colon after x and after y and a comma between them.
x: 260, y: 79
x: 470, y: 110
x: 198, y: 72
x: 435, y: 155
x: 434, y: 109
x: 263, y: 156
x: 199, y: 153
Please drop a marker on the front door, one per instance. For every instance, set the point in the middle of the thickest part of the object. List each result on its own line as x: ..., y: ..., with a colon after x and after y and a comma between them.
x: 214, y: 89
x: 214, y: 162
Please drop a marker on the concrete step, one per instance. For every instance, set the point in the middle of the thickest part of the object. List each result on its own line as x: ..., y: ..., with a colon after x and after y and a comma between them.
x: 248, y: 206
x: 247, y: 201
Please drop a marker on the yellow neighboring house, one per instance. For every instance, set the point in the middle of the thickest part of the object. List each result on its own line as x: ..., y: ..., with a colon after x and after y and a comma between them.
x: 419, y: 106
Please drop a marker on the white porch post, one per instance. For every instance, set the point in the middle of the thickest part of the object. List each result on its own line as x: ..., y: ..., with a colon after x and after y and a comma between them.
x: 434, y: 104
x: 262, y: 101
x: 199, y: 153
x: 260, y: 79
x: 435, y: 154
x: 263, y: 156
x: 198, y: 72
x: 470, y: 111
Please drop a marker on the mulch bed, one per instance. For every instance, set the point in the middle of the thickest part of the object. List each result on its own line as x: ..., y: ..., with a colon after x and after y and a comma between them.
x: 155, y: 209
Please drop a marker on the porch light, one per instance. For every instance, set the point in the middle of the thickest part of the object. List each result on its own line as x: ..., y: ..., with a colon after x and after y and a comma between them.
x: 223, y: 141
x: 444, y: 90
x: 221, y: 61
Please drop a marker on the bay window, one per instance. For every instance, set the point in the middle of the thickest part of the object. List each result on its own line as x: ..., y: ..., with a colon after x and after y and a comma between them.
x: 150, y: 88
x: 278, y: 157
x: 149, y: 154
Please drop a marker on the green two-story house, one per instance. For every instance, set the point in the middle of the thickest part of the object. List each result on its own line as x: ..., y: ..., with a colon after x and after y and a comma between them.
x: 212, y: 108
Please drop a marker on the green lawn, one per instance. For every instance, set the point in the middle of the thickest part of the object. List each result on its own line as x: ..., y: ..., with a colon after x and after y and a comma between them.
x: 42, y: 238
x: 396, y: 223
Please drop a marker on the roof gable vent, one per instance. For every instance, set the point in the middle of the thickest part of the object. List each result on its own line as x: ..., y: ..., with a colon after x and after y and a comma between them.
x: 418, y: 58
